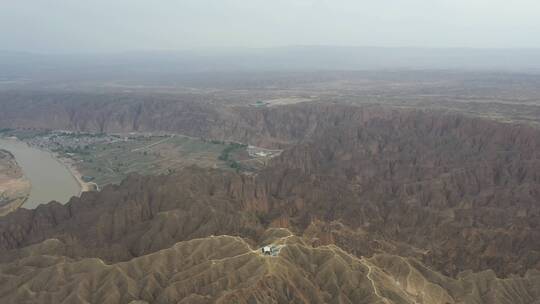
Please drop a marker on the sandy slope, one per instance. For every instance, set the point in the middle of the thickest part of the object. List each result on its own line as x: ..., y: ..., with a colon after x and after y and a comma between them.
x: 225, y: 269
x: 14, y: 187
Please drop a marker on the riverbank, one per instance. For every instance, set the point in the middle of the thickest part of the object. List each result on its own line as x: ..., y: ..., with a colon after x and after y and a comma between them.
x: 69, y: 164
x: 51, y: 178
x: 77, y: 175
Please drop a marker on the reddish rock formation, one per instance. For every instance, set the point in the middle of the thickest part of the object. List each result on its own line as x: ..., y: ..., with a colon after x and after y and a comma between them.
x: 427, y: 193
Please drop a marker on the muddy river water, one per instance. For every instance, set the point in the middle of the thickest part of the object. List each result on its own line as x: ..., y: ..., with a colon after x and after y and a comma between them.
x: 50, y: 179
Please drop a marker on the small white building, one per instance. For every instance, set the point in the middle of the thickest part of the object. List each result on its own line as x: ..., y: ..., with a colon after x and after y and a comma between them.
x: 262, y: 154
x: 266, y: 250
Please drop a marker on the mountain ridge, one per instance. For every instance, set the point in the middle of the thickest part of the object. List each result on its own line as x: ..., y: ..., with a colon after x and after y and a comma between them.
x: 442, y: 203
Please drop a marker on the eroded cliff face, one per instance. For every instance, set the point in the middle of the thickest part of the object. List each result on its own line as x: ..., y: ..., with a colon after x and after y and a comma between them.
x: 385, y: 205
x: 464, y: 191
x: 142, y: 215
x: 277, y: 126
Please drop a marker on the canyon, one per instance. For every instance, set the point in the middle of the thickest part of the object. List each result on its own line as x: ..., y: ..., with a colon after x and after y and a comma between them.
x: 371, y: 203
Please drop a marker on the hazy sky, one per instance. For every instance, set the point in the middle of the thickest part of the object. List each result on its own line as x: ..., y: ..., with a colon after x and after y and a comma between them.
x: 120, y: 25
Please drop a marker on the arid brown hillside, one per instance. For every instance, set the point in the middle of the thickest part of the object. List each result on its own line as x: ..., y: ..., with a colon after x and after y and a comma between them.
x: 14, y: 187
x: 376, y: 205
x: 271, y: 127
x: 225, y: 269
x: 462, y: 192
x: 189, y: 115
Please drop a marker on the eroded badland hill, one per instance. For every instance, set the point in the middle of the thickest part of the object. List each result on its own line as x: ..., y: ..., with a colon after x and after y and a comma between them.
x: 366, y: 204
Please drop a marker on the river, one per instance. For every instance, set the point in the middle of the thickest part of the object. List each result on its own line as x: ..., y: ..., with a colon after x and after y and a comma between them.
x: 50, y: 179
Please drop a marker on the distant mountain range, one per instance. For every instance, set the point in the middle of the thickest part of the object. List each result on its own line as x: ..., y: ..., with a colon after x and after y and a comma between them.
x: 304, y: 58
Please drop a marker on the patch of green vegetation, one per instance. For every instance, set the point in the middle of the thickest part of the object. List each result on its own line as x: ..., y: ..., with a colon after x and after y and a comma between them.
x: 77, y: 150
x: 6, y: 130
x: 110, y: 163
x: 234, y: 165
x: 226, y: 155
x: 82, y: 135
x: 191, y: 146
x: 29, y: 134
x: 87, y: 179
